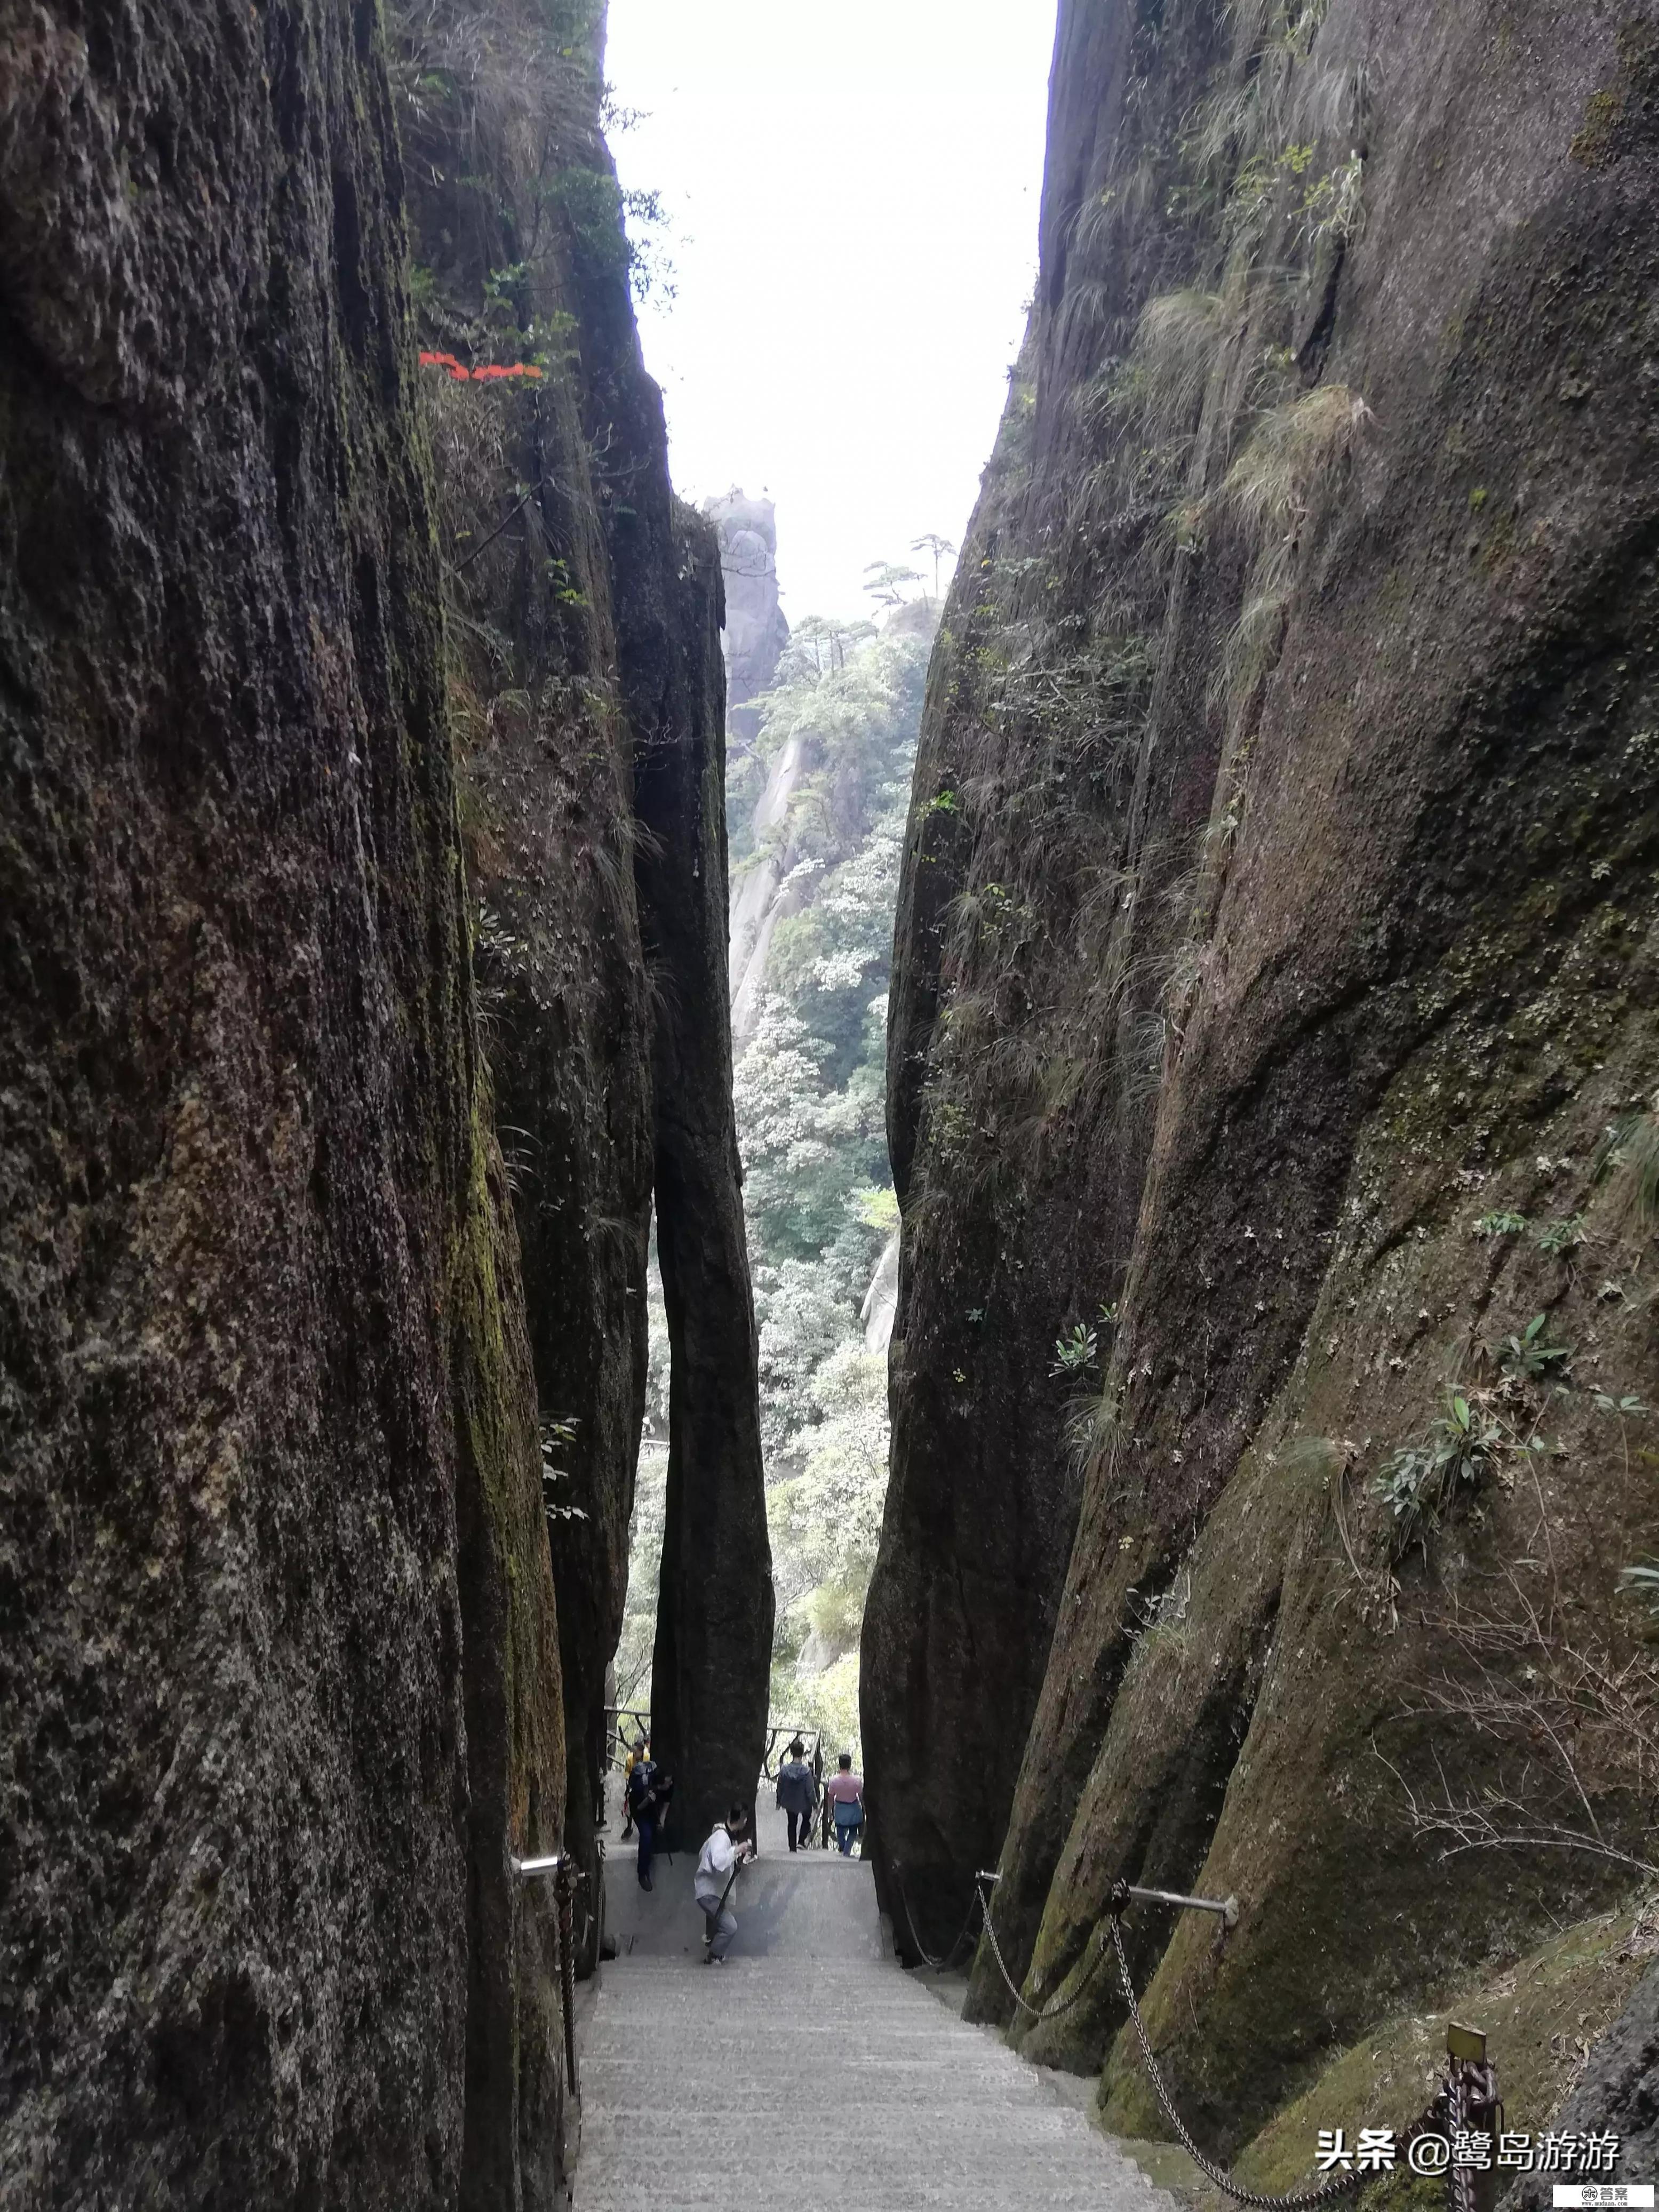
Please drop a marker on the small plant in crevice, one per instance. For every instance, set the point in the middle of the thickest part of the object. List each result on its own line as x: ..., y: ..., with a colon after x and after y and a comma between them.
x: 1501, y: 1224
x: 557, y: 1436
x: 1555, y: 1239
x: 1528, y: 1357
x: 1488, y: 1433
x: 1421, y: 1483
x: 1079, y: 1351
x: 1159, y: 1619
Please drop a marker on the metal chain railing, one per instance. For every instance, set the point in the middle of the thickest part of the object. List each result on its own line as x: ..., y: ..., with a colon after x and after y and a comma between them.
x: 566, y: 1877
x: 1036, y: 2012
x: 937, y: 1966
x: 565, y: 1891
x: 1447, y: 2115
x: 1340, y: 2185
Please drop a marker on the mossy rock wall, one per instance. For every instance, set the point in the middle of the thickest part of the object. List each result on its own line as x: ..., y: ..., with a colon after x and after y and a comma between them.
x: 586, y: 670
x: 278, y: 1672
x: 1308, y: 646
x: 509, y: 277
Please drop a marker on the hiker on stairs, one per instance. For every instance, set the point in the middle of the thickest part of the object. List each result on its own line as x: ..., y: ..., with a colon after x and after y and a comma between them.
x: 798, y: 1794
x: 647, y: 1794
x: 717, y: 1871
x: 845, y: 1792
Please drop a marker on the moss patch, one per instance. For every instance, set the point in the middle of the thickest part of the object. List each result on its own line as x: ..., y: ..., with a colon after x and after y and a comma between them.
x: 1541, y: 2013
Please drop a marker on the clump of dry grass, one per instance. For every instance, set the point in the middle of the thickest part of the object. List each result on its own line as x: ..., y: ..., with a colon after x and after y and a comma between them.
x: 1293, y: 451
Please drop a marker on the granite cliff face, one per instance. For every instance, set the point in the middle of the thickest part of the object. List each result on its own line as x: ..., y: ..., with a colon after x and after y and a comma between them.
x: 1272, y: 1042
x: 297, y: 1362
x: 278, y: 1669
x: 755, y: 635
x: 756, y: 629
x: 586, y: 663
x: 710, y: 1667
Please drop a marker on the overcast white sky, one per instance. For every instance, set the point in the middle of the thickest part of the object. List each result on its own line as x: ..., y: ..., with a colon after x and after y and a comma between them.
x: 852, y: 187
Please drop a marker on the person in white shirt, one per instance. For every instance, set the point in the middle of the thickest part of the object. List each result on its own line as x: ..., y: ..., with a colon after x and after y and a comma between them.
x: 717, y: 1869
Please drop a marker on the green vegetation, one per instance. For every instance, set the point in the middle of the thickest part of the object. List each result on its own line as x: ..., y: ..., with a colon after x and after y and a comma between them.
x: 1422, y: 1482
x: 810, y: 1095
x: 810, y: 1102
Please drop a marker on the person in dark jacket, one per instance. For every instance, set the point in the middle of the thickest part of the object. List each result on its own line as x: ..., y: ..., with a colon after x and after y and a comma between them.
x: 648, y: 1791
x: 798, y: 1794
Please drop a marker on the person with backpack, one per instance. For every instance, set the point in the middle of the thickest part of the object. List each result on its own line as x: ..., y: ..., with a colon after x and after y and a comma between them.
x: 646, y: 1802
x: 844, y: 1792
x: 717, y: 1871
x: 798, y: 1794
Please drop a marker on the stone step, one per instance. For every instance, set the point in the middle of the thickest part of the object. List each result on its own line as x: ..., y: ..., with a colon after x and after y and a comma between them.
x: 777, y: 2080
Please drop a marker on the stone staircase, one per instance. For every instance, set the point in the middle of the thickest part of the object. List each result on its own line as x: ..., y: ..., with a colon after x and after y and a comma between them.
x: 810, y: 2069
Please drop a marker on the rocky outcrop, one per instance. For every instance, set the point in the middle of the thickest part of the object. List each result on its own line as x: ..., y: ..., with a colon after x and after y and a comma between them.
x: 584, y: 658
x: 1276, y: 952
x: 711, y: 1665
x: 1618, y: 2094
x: 712, y: 1659
x: 756, y: 629
x: 278, y: 1666
x: 755, y: 635
x: 982, y: 1497
x: 547, y: 764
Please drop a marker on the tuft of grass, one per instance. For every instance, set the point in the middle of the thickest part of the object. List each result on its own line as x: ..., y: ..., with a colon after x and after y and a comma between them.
x: 1642, y: 1583
x: 1092, y: 1427
x: 1629, y: 1156
x: 1292, y: 456
x: 1294, y: 450
x: 1177, y: 342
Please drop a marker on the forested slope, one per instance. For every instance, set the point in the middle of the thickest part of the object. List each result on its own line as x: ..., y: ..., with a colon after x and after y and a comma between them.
x: 1272, y: 1053
x: 831, y: 765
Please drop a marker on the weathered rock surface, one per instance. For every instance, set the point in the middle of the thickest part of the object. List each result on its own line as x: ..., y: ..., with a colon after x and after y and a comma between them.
x: 1617, y: 2093
x: 278, y: 1666
x: 712, y: 1659
x: 982, y: 1497
x: 711, y: 1666
x: 756, y: 631
x: 586, y: 659
x: 1277, y: 944
x: 547, y: 762
x: 760, y: 900
x: 755, y: 635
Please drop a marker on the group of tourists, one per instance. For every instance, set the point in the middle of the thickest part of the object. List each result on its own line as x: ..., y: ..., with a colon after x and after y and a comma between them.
x: 798, y: 1800
x: 647, y: 1792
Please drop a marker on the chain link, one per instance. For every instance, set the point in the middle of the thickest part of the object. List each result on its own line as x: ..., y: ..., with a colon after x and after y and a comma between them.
x: 1460, y: 2178
x: 936, y: 1965
x: 1445, y: 2112
x: 1428, y: 2123
x: 565, y: 1892
x: 1037, y: 2012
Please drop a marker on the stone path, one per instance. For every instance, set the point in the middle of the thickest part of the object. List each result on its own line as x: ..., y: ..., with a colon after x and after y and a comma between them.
x: 810, y: 2070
